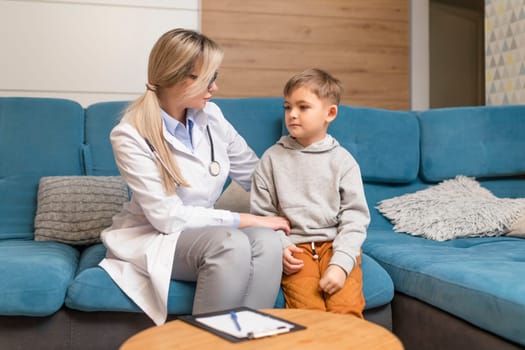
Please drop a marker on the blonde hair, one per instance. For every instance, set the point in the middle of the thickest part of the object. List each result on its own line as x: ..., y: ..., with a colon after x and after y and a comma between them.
x: 320, y: 82
x: 171, y: 61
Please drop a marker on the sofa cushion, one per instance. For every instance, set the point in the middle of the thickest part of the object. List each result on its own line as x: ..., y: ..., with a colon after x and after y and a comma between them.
x: 33, y: 143
x: 384, y: 143
x: 376, y: 192
x: 75, y: 209
x: 234, y: 198
x: 258, y: 119
x: 34, y: 276
x: 518, y: 227
x: 377, y: 286
x: 98, y: 153
x: 251, y: 117
x: 473, y: 141
x: 455, y: 208
x: 480, y: 280
x: 93, y: 289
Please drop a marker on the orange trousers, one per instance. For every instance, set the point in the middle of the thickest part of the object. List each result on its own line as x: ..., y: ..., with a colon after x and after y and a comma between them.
x: 301, y: 289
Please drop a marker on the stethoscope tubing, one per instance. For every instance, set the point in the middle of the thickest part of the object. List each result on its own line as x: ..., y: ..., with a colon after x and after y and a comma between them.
x: 214, y: 168
x: 212, y: 151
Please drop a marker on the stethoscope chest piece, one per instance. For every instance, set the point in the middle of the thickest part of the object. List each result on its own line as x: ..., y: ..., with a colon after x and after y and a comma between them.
x: 214, y: 168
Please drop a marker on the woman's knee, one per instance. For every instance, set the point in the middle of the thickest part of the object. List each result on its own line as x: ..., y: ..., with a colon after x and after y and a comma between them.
x: 232, y: 244
x: 264, y: 240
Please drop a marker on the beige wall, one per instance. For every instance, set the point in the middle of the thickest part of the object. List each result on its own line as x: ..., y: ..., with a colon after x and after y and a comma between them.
x: 456, y: 66
x: 363, y: 43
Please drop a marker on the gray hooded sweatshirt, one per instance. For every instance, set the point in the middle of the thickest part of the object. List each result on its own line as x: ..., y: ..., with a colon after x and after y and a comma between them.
x: 320, y: 190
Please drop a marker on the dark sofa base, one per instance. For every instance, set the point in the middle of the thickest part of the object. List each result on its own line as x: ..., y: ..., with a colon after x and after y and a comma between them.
x: 71, y: 329
x: 77, y: 330
x: 421, y: 326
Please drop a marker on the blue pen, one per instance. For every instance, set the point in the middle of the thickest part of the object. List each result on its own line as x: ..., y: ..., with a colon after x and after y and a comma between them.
x: 233, y: 316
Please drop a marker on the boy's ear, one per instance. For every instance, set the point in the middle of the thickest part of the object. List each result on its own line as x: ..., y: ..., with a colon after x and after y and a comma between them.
x: 332, y: 113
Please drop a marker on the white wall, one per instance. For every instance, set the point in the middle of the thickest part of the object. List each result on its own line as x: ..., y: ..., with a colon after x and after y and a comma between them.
x: 419, y: 55
x: 85, y: 50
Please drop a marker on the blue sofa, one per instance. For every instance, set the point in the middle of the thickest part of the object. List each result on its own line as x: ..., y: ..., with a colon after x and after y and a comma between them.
x: 463, y: 293
x: 454, y: 294
x: 54, y: 294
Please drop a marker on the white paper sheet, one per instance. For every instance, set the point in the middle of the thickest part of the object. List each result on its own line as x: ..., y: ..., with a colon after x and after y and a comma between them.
x: 253, y: 324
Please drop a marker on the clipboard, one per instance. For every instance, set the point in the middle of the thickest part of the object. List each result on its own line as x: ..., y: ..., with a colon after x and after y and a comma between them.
x: 254, y: 324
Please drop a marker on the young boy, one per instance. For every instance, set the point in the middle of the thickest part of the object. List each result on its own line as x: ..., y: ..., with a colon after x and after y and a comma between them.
x: 310, y: 179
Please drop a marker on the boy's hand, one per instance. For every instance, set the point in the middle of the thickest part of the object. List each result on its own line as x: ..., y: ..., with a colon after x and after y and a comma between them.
x: 290, y: 263
x: 333, y: 279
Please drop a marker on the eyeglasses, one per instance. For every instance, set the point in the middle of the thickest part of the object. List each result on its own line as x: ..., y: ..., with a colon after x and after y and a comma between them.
x: 212, y: 80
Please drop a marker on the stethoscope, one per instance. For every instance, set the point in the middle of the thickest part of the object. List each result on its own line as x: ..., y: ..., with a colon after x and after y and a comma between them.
x: 214, y: 168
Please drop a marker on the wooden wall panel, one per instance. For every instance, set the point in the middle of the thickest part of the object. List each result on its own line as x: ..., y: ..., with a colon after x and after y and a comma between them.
x: 363, y: 43
x: 369, y: 9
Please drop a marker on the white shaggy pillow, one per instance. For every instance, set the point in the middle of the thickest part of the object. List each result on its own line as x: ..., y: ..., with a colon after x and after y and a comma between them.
x: 75, y: 209
x: 455, y: 208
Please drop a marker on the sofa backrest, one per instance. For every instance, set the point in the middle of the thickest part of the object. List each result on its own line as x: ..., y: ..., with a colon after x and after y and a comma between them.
x: 43, y: 137
x: 486, y: 141
x: 386, y: 146
x: 97, y: 152
x: 38, y: 137
x: 384, y: 143
x: 258, y: 119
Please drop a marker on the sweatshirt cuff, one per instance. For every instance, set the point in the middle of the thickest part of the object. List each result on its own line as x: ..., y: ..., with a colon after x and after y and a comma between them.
x: 346, y: 262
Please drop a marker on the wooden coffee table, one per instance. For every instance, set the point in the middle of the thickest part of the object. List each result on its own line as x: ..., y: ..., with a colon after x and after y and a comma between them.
x: 324, y: 330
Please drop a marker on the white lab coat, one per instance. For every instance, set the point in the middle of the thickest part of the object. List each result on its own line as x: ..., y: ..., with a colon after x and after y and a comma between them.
x: 141, y: 241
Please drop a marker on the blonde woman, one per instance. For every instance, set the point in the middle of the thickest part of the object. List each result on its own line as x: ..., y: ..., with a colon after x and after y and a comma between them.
x: 175, y: 150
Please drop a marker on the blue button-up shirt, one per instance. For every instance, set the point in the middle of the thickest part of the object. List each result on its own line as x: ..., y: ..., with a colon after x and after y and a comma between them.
x: 181, y: 132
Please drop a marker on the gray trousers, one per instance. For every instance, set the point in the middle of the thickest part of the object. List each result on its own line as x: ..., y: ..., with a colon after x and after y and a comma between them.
x: 232, y: 267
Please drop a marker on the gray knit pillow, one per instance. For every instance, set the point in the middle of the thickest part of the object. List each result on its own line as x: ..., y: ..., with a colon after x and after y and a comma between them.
x: 455, y: 208
x: 75, y: 209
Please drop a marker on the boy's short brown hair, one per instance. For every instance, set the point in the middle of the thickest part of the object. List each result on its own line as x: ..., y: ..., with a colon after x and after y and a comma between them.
x: 320, y: 82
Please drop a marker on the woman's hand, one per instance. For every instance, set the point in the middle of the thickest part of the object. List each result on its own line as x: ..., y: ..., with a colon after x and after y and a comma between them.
x: 333, y: 279
x: 273, y: 222
x: 290, y: 263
